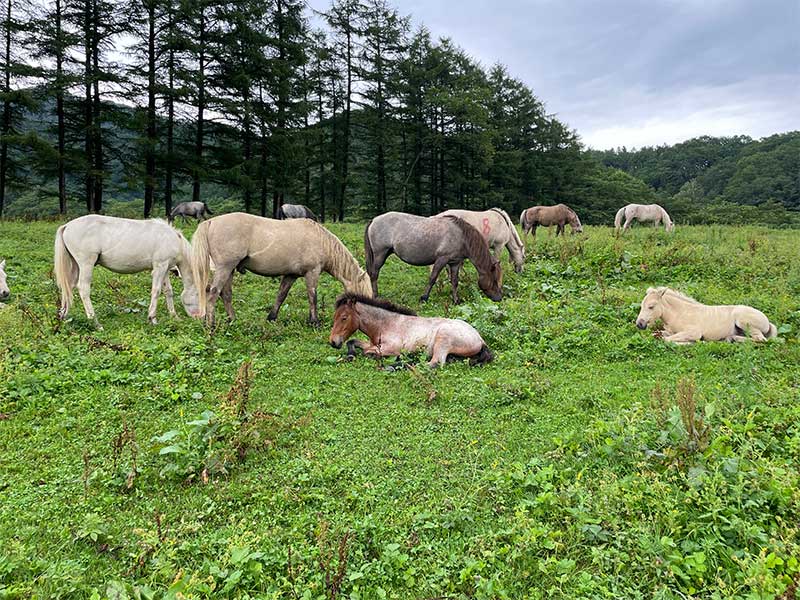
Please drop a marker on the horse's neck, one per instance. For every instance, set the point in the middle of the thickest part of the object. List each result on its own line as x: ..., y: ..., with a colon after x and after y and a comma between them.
x: 372, y: 320
x: 679, y: 308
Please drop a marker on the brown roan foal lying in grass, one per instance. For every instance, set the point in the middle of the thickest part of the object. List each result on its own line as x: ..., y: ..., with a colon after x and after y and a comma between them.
x: 393, y: 330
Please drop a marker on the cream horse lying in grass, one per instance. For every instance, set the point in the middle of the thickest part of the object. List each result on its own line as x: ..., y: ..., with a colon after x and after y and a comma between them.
x: 686, y: 320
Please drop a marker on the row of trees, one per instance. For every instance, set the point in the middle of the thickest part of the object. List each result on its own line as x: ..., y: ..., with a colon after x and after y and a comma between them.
x: 171, y: 100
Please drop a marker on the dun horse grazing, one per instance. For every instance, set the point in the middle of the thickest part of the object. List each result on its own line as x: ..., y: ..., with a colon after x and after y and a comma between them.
x: 436, y: 241
x: 558, y: 215
x: 296, y: 211
x: 122, y: 246
x: 196, y: 210
x: 643, y: 213
x: 686, y: 320
x: 4, y: 291
x: 393, y: 330
x: 292, y: 249
x: 497, y: 229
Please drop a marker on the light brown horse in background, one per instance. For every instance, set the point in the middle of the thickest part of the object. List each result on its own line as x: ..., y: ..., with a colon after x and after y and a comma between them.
x: 497, y: 229
x: 292, y: 248
x: 393, y: 330
x: 644, y: 213
x: 558, y: 215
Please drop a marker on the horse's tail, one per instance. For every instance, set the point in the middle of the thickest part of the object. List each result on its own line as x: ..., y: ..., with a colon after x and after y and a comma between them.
x: 369, y: 254
x: 483, y: 357
x: 522, y: 219
x: 618, y: 218
x: 201, y: 264
x: 310, y: 215
x: 205, y: 208
x: 66, y: 271
x: 772, y: 331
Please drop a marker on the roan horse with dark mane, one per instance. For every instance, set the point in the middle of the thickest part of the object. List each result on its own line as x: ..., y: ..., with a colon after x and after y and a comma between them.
x: 393, y: 330
x: 295, y: 211
x: 558, y: 215
x: 437, y: 241
x: 292, y: 249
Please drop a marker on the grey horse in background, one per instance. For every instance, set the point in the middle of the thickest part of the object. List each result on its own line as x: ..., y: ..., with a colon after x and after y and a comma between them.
x: 295, y: 211
x: 196, y: 210
x: 644, y: 213
x: 4, y: 291
x: 438, y: 241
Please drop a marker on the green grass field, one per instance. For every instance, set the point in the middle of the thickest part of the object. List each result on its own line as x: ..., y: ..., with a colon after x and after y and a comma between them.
x: 590, y: 459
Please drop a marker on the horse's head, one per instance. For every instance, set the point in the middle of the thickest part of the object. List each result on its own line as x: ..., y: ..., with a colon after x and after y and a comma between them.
x: 190, y: 298
x: 4, y: 291
x: 670, y: 225
x: 345, y: 323
x: 652, y: 307
x: 491, y: 281
x: 575, y: 224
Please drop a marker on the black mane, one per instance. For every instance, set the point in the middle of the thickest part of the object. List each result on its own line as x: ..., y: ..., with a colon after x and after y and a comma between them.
x: 376, y: 302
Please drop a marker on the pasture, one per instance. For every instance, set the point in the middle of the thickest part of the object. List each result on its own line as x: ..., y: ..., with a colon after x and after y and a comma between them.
x: 590, y: 459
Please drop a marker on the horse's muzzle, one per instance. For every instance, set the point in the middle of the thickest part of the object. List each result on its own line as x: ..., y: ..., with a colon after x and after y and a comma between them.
x: 336, y: 343
x: 4, y: 295
x: 641, y: 324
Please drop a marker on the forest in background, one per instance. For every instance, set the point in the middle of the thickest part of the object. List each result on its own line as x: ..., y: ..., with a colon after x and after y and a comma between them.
x: 132, y: 106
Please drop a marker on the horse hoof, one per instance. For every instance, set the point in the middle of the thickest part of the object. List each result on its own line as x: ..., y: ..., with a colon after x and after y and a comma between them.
x: 153, y: 321
x: 423, y: 298
x: 314, y: 323
x: 272, y: 317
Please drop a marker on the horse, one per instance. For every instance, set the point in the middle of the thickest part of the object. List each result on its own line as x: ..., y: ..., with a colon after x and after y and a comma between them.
x: 558, y: 215
x: 393, y: 330
x: 436, y: 241
x: 196, y: 210
x: 122, y: 246
x: 295, y: 211
x: 642, y: 213
x: 686, y: 320
x: 4, y: 291
x: 268, y: 247
x: 496, y: 227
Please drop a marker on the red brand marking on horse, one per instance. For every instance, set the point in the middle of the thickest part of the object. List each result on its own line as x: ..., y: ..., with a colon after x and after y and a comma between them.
x: 486, y: 227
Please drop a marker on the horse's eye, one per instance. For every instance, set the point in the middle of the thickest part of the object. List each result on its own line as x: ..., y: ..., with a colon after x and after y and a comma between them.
x: 652, y: 306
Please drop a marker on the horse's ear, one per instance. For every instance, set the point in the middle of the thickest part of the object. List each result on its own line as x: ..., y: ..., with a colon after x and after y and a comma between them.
x: 662, y: 292
x: 3, y: 264
x: 649, y: 291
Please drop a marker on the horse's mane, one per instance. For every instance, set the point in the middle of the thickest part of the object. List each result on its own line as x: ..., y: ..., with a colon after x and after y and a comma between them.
x: 510, y: 224
x: 672, y: 292
x: 340, y: 260
x: 477, y: 248
x: 376, y: 302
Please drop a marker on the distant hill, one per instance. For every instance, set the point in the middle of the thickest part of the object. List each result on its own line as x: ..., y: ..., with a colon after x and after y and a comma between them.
x: 736, y: 170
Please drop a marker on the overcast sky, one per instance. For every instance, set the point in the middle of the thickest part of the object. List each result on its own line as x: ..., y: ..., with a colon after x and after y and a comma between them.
x: 638, y: 72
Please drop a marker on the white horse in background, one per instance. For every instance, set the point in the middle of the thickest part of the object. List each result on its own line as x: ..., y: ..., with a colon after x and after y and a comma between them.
x: 4, y: 291
x: 686, y: 320
x: 122, y: 246
x: 652, y: 213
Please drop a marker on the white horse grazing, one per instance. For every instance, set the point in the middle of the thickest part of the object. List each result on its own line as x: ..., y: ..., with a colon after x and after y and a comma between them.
x: 652, y: 213
x: 497, y: 229
x: 686, y: 320
x: 4, y: 291
x: 122, y: 246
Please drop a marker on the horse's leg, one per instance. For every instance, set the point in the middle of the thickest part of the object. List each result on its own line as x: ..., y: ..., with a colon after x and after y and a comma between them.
x: 684, y: 337
x: 437, y: 268
x: 439, y: 353
x: 160, y: 273
x: 312, y: 278
x: 226, y: 293
x: 222, y: 274
x: 85, y: 289
x: 166, y: 289
x: 453, y: 269
x: 375, y: 269
x: 366, y: 347
x: 286, y: 284
x: 628, y: 221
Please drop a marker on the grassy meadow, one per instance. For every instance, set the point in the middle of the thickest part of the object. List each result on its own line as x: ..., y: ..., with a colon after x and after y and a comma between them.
x: 589, y: 460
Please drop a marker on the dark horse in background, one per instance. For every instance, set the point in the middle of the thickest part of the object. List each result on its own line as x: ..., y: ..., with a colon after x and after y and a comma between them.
x: 439, y: 241
x: 295, y: 211
x: 196, y: 210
